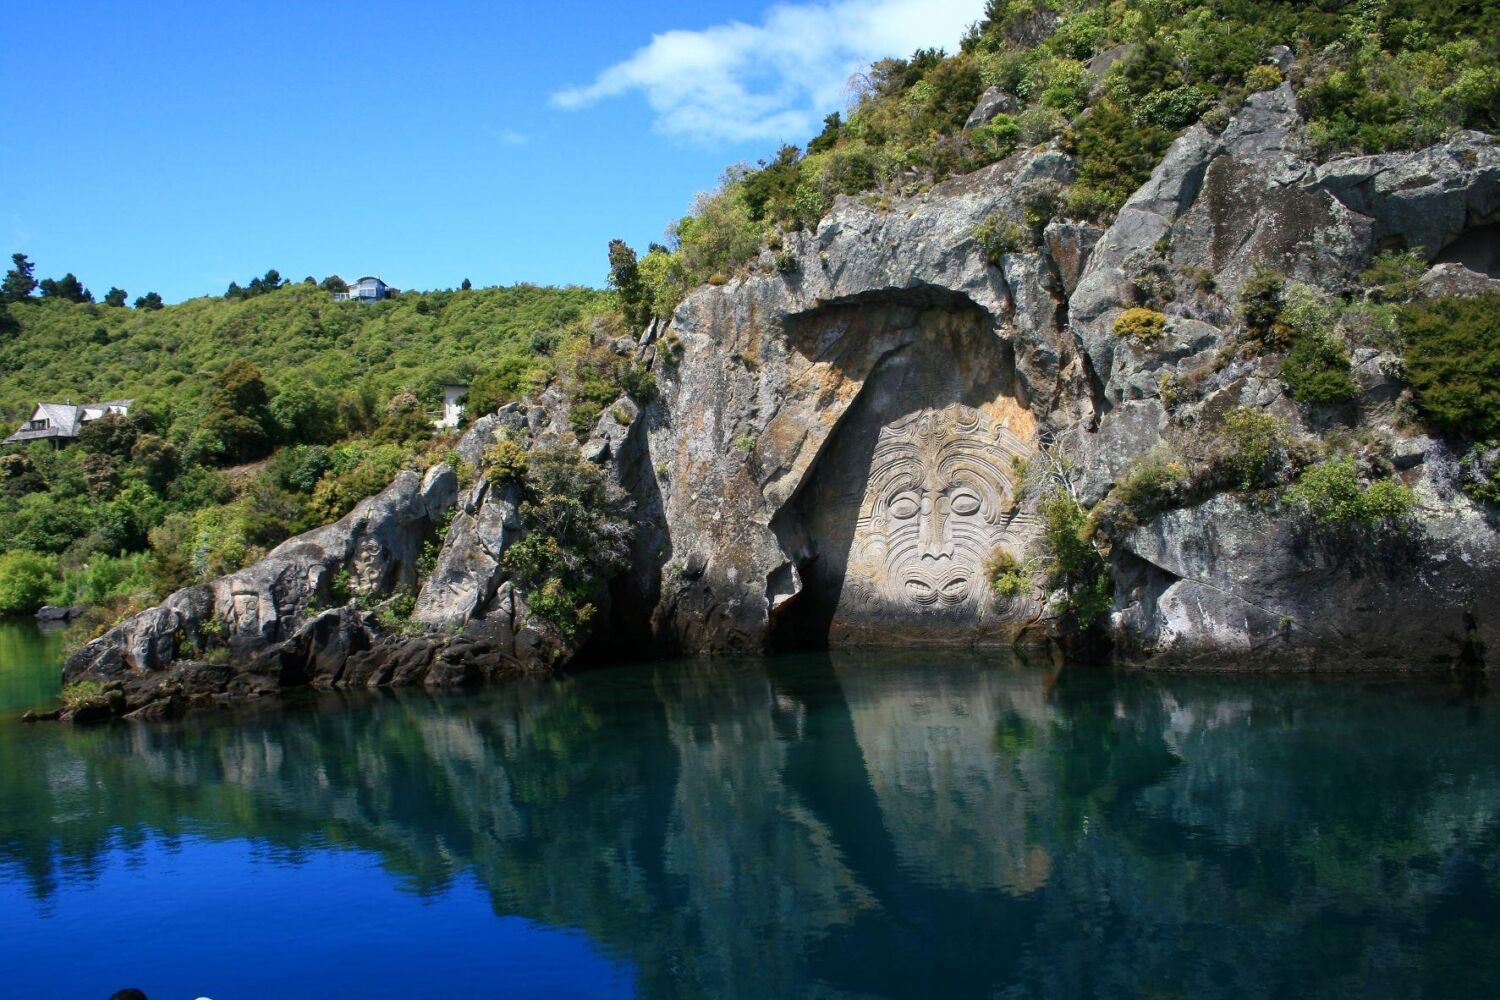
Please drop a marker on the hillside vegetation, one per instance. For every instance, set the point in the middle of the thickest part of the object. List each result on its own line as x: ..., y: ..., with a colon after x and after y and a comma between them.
x: 257, y: 415
x: 302, y: 340
x: 1113, y: 83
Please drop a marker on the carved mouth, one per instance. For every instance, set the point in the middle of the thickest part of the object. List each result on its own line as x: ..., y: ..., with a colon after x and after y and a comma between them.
x: 945, y: 592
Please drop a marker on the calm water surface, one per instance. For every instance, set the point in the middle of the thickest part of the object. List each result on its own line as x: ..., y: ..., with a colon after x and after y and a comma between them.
x: 832, y: 826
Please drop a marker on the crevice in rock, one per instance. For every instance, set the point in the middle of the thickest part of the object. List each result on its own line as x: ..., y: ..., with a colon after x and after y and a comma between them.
x: 1477, y: 249
x: 1099, y: 403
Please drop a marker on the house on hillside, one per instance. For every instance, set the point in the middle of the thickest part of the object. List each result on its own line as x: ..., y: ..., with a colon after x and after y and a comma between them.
x: 453, y: 405
x: 366, y: 289
x: 61, y: 422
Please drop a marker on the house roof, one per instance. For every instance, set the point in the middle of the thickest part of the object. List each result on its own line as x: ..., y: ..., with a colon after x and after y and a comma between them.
x: 368, y: 277
x: 65, y: 419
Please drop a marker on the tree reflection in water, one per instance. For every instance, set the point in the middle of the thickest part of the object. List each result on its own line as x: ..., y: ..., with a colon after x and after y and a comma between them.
x: 855, y: 823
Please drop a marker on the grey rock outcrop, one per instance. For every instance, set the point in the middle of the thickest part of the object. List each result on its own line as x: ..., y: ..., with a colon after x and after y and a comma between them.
x: 1424, y: 199
x: 1226, y: 584
x: 376, y: 545
x: 837, y: 448
x: 992, y: 102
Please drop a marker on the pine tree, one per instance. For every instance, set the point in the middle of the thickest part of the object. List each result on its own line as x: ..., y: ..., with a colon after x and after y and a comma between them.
x: 68, y: 288
x: 19, y: 280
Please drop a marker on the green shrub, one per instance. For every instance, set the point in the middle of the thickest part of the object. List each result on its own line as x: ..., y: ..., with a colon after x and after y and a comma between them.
x: 1263, y: 77
x: 1261, y: 299
x: 1037, y: 125
x: 1395, y: 276
x: 1006, y: 575
x: 505, y: 461
x: 80, y: 693
x: 1316, y: 370
x: 1452, y: 360
x: 577, y: 534
x: 1141, y: 326
x: 998, y: 236
x: 1480, y: 469
x: 1247, y: 449
x: 1116, y: 153
x: 996, y: 139
x: 1156, y: 481
x: 103, y: 578
x: 1331, y: 493
x: 26, y: 581
x: 395, y: 616
x: 1073, y: 563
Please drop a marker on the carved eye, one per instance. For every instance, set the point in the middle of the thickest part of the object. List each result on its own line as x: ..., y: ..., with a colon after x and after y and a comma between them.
x: 965, y: 504
x: 904, y: 507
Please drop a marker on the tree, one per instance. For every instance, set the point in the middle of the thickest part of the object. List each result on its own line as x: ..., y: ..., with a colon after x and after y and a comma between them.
x: 467, y: 284
x: 112, y: 435
x: 238, y: 426
x: 68, y: 288
x: 26, y: 578
x: 577, y: 537
x: 829, y: 137
x: 333, y: 283
x: 155, y: 458
x: 625, y: 279
x: 305, y: 414
x: 115, y: 297
x: 150, y: 300
x: 405, y: 420
x: 19, y: 280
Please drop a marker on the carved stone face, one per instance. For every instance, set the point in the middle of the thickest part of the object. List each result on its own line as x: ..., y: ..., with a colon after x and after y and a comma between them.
x: 935, y: 508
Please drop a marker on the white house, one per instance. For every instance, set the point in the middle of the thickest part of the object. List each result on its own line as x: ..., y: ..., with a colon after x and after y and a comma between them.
x: 453, y: 406
x: 367, y: 289
x: 61, y: 422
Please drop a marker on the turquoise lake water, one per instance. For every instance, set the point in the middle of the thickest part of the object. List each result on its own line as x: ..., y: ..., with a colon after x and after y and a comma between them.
x: 846, y: 825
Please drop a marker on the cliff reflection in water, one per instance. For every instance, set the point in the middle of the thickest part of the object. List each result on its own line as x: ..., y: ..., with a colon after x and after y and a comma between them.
x: 866, y: 824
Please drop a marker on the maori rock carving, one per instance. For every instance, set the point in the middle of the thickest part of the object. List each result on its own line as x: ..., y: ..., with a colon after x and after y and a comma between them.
x: 937, y: 505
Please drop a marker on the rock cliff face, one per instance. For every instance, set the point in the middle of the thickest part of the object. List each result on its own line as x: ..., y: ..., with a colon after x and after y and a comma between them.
x: 834, y: 452
x: 841, y: 436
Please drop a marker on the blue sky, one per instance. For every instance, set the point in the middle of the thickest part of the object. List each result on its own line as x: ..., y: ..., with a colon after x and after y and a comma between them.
x: 176, y: 146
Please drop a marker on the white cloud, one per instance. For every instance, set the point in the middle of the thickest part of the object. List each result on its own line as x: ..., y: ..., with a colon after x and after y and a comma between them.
x: 508, y: 136
x: 774, y: 80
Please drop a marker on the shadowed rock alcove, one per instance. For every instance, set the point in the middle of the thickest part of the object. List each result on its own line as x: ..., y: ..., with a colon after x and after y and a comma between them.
x: 914, y: 491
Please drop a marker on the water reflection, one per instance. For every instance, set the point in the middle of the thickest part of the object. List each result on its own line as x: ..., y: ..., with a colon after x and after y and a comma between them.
x: 849, y: 824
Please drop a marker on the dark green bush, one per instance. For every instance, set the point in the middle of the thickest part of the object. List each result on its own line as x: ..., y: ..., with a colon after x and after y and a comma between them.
x: 1452, y: 360
x: 577, y: 535
x: 1316, y: 370
x: 1073, y: 563
x: 1261, y: 299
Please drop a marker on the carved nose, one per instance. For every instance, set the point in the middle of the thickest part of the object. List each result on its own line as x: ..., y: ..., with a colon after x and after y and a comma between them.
x: 932, y: 541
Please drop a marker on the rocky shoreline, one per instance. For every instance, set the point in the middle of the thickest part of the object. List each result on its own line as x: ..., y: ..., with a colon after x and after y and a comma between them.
x: 836, y: 451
